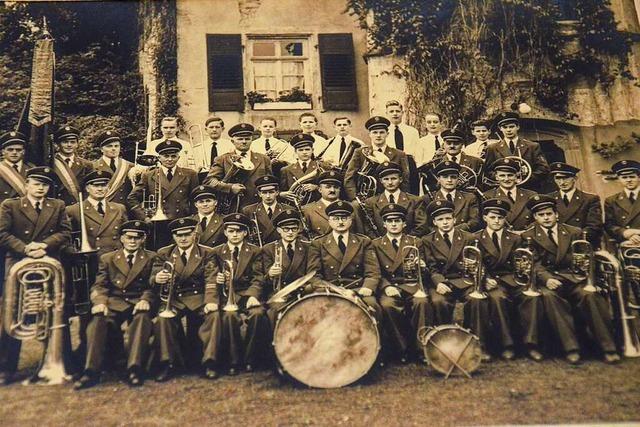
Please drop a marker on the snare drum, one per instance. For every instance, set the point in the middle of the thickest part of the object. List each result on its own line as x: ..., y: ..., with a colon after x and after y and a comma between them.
x: 327, y: 339
x: 450, y: 349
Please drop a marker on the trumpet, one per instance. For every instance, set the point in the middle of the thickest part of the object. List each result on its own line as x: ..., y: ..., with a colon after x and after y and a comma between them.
x: 474, y: 269
x: 167, y: 292
x: 229, y: 202
x: 411, y: 268
x: 159, y: 214
x: 80, y: 275
x: 583, y: 262
x: 277, y: 262
x: 232, y: 304
x: 524, y: 269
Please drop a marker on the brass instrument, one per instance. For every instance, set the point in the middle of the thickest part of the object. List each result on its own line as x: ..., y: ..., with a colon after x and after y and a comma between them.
x: 33, y: 308
x: 583, y: 262
x: 611, y: 272
x: 630, y: 258
x: 146, y: 158
x: 523, y: 175
x: 159, y: 214
x: 277, y: 262
x: 474, y: 269
x: 293, y: 198
x: 167, y: 292
x: 367, y: 215
x: 229, y: 202
x: 343, y: 163
x: 273, y: 153
x: 204, y: 167
x: 524, y: 269
x: 366, y: 183
x: 232, y: 304
x: 297, y: 189
x: 80, y: 274
x: 411, y: 268
x: 254, y: 231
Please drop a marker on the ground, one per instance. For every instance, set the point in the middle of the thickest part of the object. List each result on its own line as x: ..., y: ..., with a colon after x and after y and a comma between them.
x: 500, y: 393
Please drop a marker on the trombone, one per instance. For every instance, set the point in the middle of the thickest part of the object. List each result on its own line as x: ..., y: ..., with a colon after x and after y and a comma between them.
x: 80, y: 268
x: 167, y: 292
x: 411, y: 267
x: 232, y: 304
x: 198, y: 128
x: 256, y: 237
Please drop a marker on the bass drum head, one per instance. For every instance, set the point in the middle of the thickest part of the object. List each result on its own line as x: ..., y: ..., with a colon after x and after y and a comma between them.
x: 326, y: 341
x: 452, y: 350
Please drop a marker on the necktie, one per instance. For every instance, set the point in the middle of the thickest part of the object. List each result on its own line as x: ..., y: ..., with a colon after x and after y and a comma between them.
x: 496, y: 242
x: 437, y: 142
x: 267, y: 145
x: 170, y: 174
x: 243, y: 154
x: 269, y: 212
x: 397, y: 134
x: 394, y: 243
x: 550, y: 234
x: 341, y: 244
x: 183, y: 258
x: 112, y: 165
x: 391, y: 198
x: 565, y: 199
x: 632, y: 197
x: 454, y: 159
x: 100, y: 208
x: 447, y: 240
x: 290, y: 251
x: 512, y: 146
x: 203, y: 223
x: 510, y: 195
x: 38, y: 208
x: 380, y: 150
x: 68, y: 161
x: 130, y: 260
x: 343, y: 147
x: 449, y: 198
x: 304, y: 167
x: 214, y: 151
x: 15, y: 166
x: 483, y: 150
x: 236, y: 254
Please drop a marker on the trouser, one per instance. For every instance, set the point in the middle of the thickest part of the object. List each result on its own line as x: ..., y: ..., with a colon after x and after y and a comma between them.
x: 223, y: 343
x: 170, y: 343
x: 403, y: 316
x: 140, y: 329
x: 9, y: 352
x: 476, y: 311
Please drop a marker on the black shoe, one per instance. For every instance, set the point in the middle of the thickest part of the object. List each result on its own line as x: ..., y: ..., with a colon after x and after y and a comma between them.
x: 87, y: 380
x: 233, y: 371
x: 134, y: 379
x: 165, y: 374
x: 211, y: 374
x: 573, y: 357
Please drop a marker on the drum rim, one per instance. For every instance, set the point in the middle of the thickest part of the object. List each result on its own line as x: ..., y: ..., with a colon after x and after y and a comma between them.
x: 445, y: 327
x: 333, y: 294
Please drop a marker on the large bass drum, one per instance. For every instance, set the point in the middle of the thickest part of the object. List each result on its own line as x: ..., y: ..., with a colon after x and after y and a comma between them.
x: 326, y: 339
x: 451, y: 350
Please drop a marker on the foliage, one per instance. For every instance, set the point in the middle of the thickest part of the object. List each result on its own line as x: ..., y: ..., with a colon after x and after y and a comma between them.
x: 255, y: 97
x: 608, y: 149
x: 294, y: 95
x: 463, y: 57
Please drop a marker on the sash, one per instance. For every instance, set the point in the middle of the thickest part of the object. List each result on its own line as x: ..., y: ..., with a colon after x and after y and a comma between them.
x: 118, y: 179
x: 67, y: 177
x: 15, y: 180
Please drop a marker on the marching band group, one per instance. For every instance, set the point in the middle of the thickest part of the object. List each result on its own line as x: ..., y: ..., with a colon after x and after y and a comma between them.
x: 191, y: 260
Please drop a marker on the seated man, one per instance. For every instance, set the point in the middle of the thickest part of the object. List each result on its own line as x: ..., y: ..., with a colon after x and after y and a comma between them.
x: 404, y: 303
x: 240, y: 281
x: 563, y: 289
x: 262, y: 213
x: 122, y: 293
x: 622, y: 210
x: 192, y: 270
x: 443, y: 252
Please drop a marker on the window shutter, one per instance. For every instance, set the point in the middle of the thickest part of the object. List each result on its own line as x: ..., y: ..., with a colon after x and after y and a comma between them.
x: 337, y: 68
x: 224, y: 68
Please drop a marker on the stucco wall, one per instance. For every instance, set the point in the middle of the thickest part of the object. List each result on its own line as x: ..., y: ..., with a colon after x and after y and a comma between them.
x: 196, y: 18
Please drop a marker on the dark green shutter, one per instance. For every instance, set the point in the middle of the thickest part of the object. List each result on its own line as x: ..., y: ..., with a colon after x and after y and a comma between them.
x: 338, y: 72
x: 224, y: 65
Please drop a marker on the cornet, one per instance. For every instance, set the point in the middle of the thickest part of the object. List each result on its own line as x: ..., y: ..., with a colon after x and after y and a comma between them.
x: 524, y: 269
x: 232, y: 304
x: 277, y: 262
x: 474, y: 269
x: 167, y: 292
x: 583, y: 262
x: 411, y: 268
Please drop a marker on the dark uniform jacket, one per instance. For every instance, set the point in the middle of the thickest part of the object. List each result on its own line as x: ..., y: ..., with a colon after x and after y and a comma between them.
x: 223, y: 164
x: 445, y: 264
x: 176, y: 201
x: 375, y: 204
x: 392, y: 263
x: 359, y: 261
x: 620, y: 214
x: 351, y: 176
x: 318, y: 221
x: 293, y: 172
x: 124, y: 189
x: 20, y: 224
x: 268, y: 232
x: 103, y: 231
x: 213, y: 235
x: 519, y: 216
x: 292, y: 269
x: 80, y: 168
x: 190, y: 279
x: 529, y: 151
x: 466, y: 212
x: 553, y: 261
x: 248, y: 275
x: 498, y: 262
x: 6, y: 190
x: 120, y: 287
x: 584, y: 212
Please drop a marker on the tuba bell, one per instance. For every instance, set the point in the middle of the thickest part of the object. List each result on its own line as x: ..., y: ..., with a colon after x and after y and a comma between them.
x: 33, y: 309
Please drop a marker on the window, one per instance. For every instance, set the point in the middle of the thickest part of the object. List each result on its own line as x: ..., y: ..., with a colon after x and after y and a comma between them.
x: 279, y: 65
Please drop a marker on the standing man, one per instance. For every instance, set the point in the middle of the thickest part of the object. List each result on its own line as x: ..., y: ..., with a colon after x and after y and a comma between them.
x: 120, y: 184
x: 193, y: 271
x: 122, y: 293
x: 431, y: 145
x: 215, y: 145
x: 267, y: 143
x: 238, y: 265
x: 513, y: 145
x: 303, y: 166
x: 169, y: 129
x: 562, y: 288
x: 575, y: 207
x: 378, y: 128
x: 68, y: 166
x: 31, y: 226
x: 481, y: 130
x: 622, y: 210
x: 210, y: 230
x: 308, y: 125
x: 241, y: 183
x: 262, y: 213
x: 339, y: 149
x: 13, y: 168
x: 401, y: 136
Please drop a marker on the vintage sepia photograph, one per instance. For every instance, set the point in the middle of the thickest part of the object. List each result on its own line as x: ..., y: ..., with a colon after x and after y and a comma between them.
x: 325, y: 213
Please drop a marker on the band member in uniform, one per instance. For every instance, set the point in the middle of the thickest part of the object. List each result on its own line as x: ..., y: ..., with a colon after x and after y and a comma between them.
x: 404, y: 303
x: 519, y: 217
x: 13, y: 168
x: 481, y: 130
x: 120, y: 185
x: 341, y: 147
x: 262, y: 213
x: 453, y: 143
x: 293, y: 256
x: 210, y: 230
x: 390, y: 175
x: 192, y: 270
x: 220, y: 332
x: 562, y: 289
x: 242, y: 182
x: 122, y: 293
x: 466, y: 209
x: 31, y: 226
x: 68, y: 166
x: 215, y: 145
x: 443, y: 252
x: 575, y: 207
x: 303, y: 166
x: 513, y: 145
x: 278, y: 150
x: 622, y: 210
x: 169, y: 129
x: 378, y: 128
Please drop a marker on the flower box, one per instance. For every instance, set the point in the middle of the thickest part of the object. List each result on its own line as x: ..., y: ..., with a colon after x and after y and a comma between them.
x: 282, y: 105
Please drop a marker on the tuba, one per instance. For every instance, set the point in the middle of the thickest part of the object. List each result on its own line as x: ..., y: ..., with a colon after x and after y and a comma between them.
x: 232, y: 304
x: 524, y: 269
x: 229, y: 202
x: 474, y: 269
x: 411, y: 268
x: 80, y: 275
x: 630, y: 257
x: 167, y: 292
x: 297, y: 189
x: 33, y: 308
